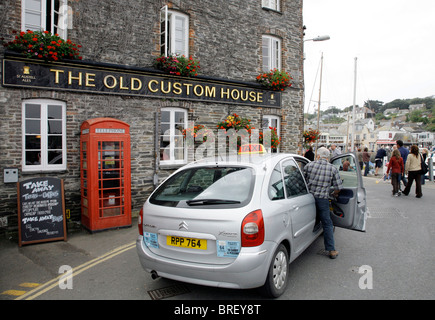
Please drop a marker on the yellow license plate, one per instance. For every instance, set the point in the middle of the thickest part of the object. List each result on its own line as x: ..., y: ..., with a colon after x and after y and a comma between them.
x: 182, y: 242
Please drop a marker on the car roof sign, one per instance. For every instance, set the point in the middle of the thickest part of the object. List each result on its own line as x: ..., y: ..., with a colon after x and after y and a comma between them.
x: 252, y: 148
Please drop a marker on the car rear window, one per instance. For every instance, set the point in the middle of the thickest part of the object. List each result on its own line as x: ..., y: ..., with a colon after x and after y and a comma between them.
x: 222, y: 187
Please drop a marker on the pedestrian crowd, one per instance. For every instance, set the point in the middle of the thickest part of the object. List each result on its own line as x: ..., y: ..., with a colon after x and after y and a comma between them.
x: 402, y: 163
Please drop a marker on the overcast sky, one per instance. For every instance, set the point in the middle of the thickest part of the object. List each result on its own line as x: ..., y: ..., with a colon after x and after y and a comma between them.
x: 393, y: 41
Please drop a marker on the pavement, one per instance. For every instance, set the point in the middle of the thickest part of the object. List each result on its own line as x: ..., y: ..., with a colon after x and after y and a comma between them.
x: 22, y: 269
x: 25, y: 268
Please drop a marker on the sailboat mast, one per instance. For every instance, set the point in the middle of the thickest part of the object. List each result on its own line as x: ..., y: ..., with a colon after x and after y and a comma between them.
x: 353, y: 112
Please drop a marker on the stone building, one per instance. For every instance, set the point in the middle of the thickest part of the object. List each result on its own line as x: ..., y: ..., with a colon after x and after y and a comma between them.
x: 234, y: 41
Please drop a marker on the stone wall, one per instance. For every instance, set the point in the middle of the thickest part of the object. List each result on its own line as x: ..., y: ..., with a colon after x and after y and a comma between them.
x: 224, y: 35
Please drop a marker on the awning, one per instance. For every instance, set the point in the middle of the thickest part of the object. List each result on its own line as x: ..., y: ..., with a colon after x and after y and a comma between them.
x: 386, y: 142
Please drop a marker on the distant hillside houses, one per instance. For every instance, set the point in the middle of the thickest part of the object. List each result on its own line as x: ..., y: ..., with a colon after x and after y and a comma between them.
x: 372, y: 134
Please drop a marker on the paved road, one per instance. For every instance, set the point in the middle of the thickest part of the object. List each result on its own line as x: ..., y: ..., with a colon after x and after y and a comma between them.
x: 398, y: 249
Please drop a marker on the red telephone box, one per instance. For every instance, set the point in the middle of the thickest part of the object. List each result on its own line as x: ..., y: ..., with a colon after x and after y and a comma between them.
x: 105, y: 174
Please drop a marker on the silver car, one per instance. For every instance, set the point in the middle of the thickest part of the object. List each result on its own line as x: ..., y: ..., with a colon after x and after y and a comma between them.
x: 239, y: 223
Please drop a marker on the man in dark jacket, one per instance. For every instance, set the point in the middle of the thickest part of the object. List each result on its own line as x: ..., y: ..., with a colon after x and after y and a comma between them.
x: 379, y: 158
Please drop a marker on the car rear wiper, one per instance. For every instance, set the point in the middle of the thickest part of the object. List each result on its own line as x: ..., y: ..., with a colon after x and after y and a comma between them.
x: 210, y: 201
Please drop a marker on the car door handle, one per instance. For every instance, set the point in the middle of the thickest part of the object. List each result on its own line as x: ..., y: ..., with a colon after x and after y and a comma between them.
x: 294, y: 208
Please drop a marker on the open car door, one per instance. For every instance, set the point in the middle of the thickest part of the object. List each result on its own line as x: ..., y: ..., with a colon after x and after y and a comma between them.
x: 349, y: 209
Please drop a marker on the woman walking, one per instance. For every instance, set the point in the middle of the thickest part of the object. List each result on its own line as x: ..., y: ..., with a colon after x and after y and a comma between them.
x: 413, y: 167
x: 395, y: 166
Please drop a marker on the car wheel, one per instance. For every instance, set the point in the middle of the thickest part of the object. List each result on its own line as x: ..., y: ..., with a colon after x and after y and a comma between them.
x: 277, y: 277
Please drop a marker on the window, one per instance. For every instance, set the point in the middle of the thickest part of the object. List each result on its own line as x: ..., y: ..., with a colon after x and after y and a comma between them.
x: 271, y: 49
x: 44, y: 135
x: 271, y: 4
x: 293, y: 179
x: 274, y: 122
x: 172, y: 123
x: 276, y: 187
x: 174, y: 33
x: 215, y: 187
x: 50, y: 15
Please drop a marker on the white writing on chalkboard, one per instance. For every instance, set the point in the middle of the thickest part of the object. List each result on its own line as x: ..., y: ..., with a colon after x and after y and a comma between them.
x: 35, y: 207
x: 50, y: 194
x: 38, y: 186
x: 41, y: 211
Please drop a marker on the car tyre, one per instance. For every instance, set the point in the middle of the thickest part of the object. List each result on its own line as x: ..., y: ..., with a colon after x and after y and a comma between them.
x: 277, y: 277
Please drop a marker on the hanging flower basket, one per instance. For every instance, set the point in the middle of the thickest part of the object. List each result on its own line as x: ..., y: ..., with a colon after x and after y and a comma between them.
x: 275, y: 80
x: 43, y: 45
x: 178, y: 65
x: 310, y: 136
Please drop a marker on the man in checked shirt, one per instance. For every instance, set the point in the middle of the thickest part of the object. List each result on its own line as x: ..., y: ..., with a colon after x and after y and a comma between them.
x: 320, y: 176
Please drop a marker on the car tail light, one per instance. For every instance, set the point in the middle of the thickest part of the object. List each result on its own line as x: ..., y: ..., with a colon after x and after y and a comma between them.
x: 140, y: 222
x: 253, y: 229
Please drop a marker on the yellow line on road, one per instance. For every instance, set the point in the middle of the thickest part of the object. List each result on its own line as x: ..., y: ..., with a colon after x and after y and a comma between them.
x: 29, y: 285
x: 75, y: 271
x: 14, y: 292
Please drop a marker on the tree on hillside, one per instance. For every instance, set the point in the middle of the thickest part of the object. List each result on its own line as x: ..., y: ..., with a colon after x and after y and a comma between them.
x: 374, y: 105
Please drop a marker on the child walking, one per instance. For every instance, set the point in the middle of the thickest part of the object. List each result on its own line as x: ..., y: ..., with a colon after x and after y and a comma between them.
x: 396, y: 167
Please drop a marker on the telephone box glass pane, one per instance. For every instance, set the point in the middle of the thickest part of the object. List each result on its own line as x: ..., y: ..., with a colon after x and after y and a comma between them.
x: 110, y: 145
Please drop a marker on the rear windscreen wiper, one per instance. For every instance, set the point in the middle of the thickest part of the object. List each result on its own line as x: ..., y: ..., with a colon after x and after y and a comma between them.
x: 210, y: 201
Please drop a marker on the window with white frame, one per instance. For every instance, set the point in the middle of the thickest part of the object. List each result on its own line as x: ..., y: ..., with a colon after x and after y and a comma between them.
x: 174, y: 33
x: 272, y: 4
x: 172, y: 123
x: 50, y: 15
x: 43, y: 135
x: 271, y: 49
x: 274, y: 122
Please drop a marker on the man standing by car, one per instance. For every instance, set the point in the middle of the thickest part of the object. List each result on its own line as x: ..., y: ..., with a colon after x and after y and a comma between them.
x: 320, y: 176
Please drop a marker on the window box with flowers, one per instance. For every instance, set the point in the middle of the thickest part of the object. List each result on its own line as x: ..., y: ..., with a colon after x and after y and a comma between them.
x: 198, y: 131
x: 43, y: 45
x: 178, y: 65
x: 274, y: 139
x: 234, y: 121
x: 275, y: 80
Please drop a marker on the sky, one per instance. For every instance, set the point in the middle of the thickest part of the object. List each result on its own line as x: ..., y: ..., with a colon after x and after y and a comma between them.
x: 393, y: 42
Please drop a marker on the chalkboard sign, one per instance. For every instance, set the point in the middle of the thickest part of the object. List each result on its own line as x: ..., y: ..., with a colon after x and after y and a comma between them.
x: 41, y: 214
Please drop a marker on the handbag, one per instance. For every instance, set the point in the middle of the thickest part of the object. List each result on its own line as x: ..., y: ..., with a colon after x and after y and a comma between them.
x: 424, y: 168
